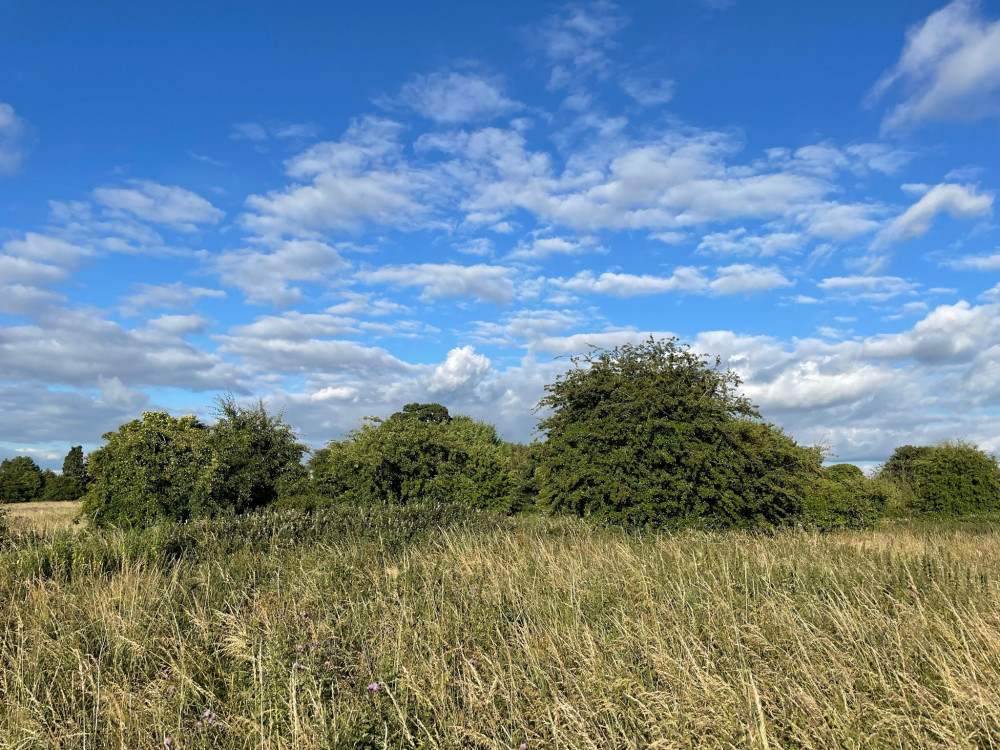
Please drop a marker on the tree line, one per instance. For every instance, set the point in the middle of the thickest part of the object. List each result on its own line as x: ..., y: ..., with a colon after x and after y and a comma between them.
x: 648, y: 435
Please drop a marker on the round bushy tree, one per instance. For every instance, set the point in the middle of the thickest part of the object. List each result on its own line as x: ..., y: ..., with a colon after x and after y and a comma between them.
x: 255, y: 456
x: 157, y: 467
x: 951, y: 479
x: 421, y: 454
x: 21, y: 480
x: 653, y: 434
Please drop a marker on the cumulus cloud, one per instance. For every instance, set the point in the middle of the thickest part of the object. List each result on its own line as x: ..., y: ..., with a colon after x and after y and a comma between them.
x: 15, y: 140
x: 454, y: 97
x: 175, y: 206
x: 949, y: 69
x: 265, y: 275
x: 576, y: 41
x: 538, y: 248
x: 740, y: 242
x: 958, y: 201
x: 447, y: 280
x: 866, y: 288
x: 360, y: 178
x: 173, y: 296
x: 683, y: 279
x: 463, y: 369
x: 744, y: 278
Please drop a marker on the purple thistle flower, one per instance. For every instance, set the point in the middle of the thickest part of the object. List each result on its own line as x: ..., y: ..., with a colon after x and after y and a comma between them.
x: 167, y: 741
x: 523, y: 746
x: 328, y: 665
x: 373, y: 688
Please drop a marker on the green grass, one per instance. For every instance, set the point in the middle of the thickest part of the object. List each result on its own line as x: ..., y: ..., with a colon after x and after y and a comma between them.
x: 489, y: 633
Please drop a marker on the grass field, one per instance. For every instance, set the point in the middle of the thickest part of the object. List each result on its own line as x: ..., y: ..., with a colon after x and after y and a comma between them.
x: 43, y: 517
x: 339, y: 632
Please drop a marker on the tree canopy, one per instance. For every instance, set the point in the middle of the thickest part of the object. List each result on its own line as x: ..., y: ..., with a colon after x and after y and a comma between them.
x: 653, y: 434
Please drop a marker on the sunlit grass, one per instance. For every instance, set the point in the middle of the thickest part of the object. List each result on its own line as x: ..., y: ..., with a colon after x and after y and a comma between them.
x: 43, y: 517
x: 492, y: 634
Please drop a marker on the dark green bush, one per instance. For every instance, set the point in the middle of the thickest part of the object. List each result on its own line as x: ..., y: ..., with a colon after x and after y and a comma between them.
x: 21, y: 480
x: 421, y: 454
x: 843, y: 497
x: 948, y: 480
x: 655, y: 435
x: 166, y: 468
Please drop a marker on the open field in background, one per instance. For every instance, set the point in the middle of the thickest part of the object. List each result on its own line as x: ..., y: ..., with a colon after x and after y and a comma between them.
x: 386, y: 631
x: 43, y: 517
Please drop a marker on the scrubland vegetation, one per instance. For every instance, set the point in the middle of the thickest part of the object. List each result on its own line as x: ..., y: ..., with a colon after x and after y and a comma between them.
x: 663, y: 569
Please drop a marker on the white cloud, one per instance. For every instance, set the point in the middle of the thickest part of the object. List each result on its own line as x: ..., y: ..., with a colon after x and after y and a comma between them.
x: 737, y: 241
x: 445, y: 280
x: 462, y: 369
x: 649, y: 93
x: 866, y: 288
x: 576, y: 41
x: 958, y: 201
x: 683, y: 279
x: 949, y: 69
x: 160, y: 204
x: 264, y: 275
x: 542, y: 247
x: 743, y: 278
x: 174, y: 296
x: 455, y: 98
x: 15, y: 140
x: 976, y: 262
x: 358, y: 179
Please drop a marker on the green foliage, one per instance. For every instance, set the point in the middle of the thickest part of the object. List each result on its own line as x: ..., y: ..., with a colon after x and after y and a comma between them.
x: 162, y: 467
x: 157, y: 467
x: 843, y: 497
x: 255, y: 456
x: 421, y: 454
x: 655, y: 435
x: 948, y: 480
x: 21, y: 480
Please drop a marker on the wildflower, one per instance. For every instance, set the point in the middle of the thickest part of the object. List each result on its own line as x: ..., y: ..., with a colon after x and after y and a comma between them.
x: 209, y: 717
x: 167, y: 741
x: 313, y: 644
x: 328, y: 665
x: 523, y: 746
x: 296, y: 667
x: 299, y: 649
x: 472, y: 662
x: 373, y: 688
x: 197, y: 724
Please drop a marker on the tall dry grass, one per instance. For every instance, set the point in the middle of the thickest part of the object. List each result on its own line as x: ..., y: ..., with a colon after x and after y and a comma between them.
x: 541, y: 632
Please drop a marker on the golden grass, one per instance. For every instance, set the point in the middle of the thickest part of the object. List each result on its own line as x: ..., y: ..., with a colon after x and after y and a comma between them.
x: 545, y: 633
x: 43, y: 517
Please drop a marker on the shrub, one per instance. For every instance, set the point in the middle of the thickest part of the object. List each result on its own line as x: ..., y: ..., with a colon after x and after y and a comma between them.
x: 843, y: 497
x: 157, y: 467
x: 421, y: 454
x: 951, y: 479
x: 21, y: 480
x: 255, y: 457
x: 655, y: 435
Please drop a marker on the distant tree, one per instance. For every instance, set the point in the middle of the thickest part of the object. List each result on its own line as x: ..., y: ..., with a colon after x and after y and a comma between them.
x: 74, y: 466
x: 421, y: 454
x: 653, y: 434
x: 256, y: 456
x: 21, y: 480
x: 157, y: 467
x: 950, y: 479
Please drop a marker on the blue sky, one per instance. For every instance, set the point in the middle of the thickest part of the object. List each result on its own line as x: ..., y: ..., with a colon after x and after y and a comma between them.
x: 342, y: 211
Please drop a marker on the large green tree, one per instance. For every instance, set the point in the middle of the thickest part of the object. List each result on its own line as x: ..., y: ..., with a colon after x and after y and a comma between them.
x: 255, y: 456
x: 72, y: 483
x: 422, y: 454
x: 653, y: 434
x: 949, y: 479
x: 21, y: 480
x: 156, y: 467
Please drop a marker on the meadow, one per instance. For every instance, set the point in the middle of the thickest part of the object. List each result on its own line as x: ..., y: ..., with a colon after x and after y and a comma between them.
x: 442, y: 628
